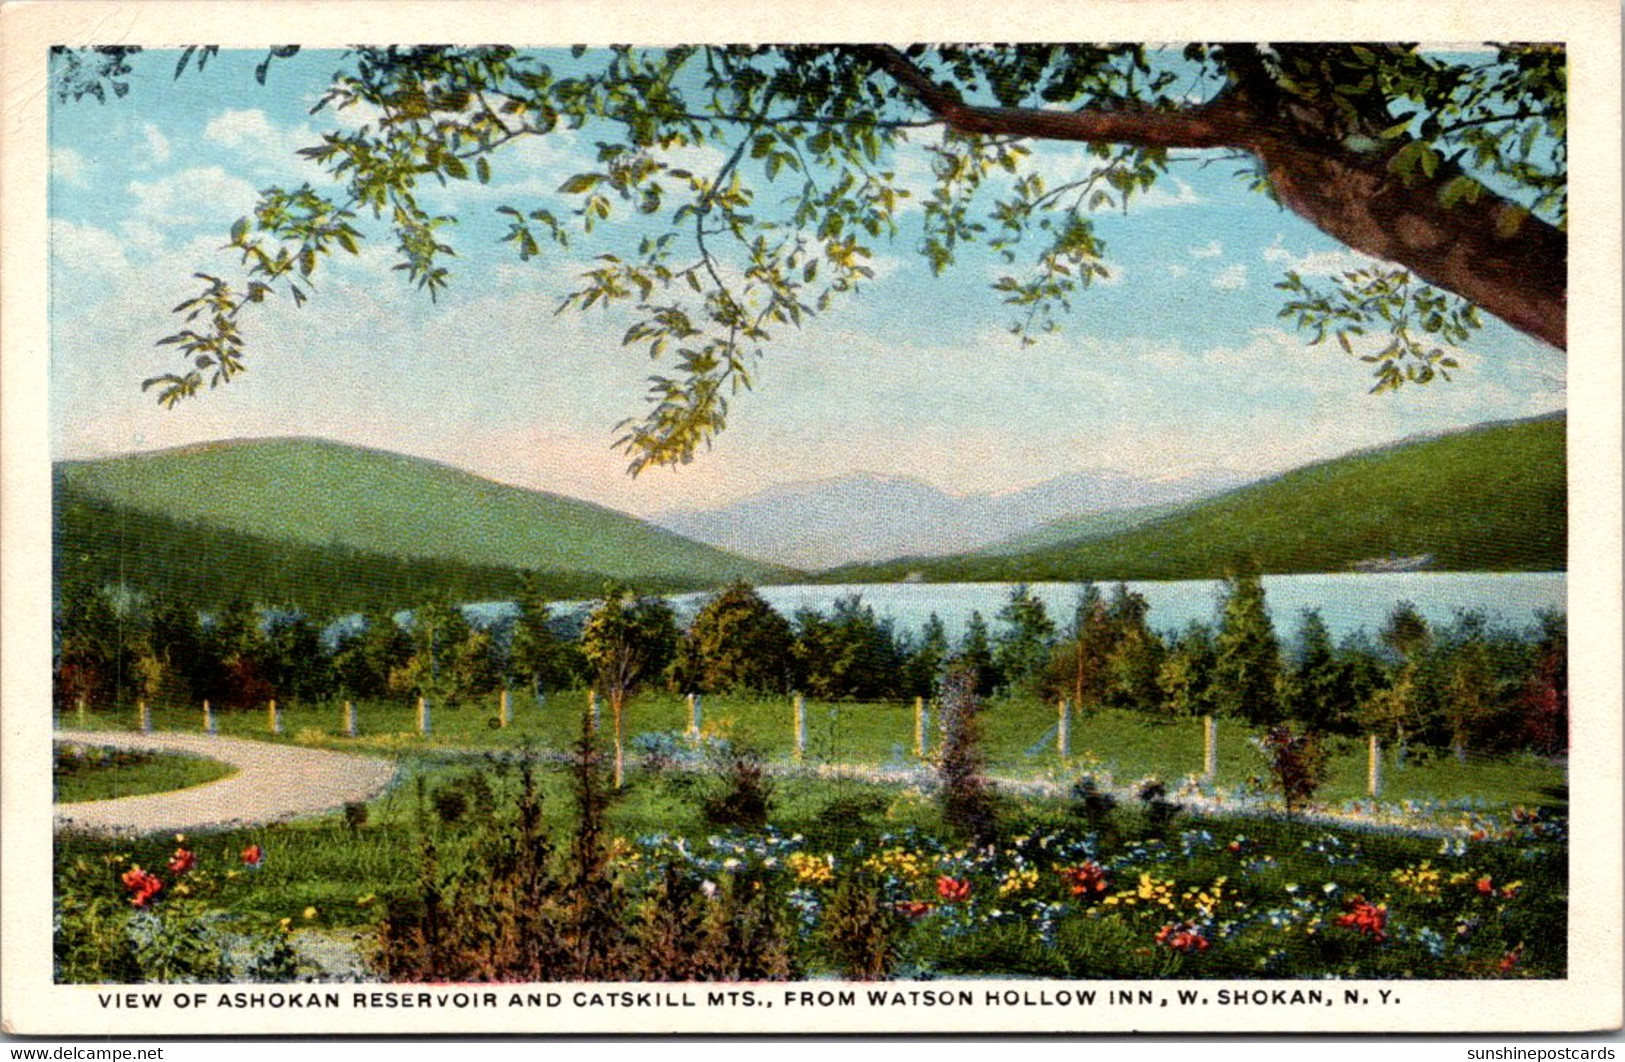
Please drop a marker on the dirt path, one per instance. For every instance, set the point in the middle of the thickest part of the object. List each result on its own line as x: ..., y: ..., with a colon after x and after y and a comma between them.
x: 273, y: 782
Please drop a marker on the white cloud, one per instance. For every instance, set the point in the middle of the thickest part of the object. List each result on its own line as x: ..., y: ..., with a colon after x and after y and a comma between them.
x: 86, y: 248
x: 156, y: 143
x: 1318, y: 263
x: 1230, y: 278
x: 141, y: 235
x: 199, y: 194
x: 68, y: 166
x: 257, y: 140
x: 1158, y: 196
x: 1211, y: 249
x: 1179, y: 272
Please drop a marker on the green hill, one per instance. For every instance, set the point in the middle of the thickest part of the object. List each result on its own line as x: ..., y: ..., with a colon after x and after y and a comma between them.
x: 1070, y: 530
x: 325, y: 494
x: 1492, y: 498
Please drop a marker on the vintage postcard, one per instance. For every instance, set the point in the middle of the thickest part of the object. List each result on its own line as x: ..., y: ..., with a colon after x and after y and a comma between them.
x: 781, y: 518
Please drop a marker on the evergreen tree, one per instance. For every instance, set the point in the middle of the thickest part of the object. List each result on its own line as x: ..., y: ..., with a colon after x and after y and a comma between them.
x: 296, y: 667
x: 1135, y: 652
x: 849, y: 653
x: 90, y: 656
x: 922, y: 669
x: 236, y: 643
x: 1185, y: 678
x: 736, y: 642
x: 1402, y: 711
x: 1078, y: 667
x: 975, y: 656
x: 365, y: 659
x: 437, y: 630
x: 1317, y: 684
x: 1023, y: 645
x: 536, y: 654
x: 1247, y: 670
x: 1472, y: 681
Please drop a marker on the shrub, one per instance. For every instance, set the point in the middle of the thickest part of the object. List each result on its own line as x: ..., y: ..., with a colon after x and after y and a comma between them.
x: 746, y: 796
x: 1159, y: 810
x: 969, y: 807
x: 1093, y: 804
x: 862, y: 929
x: 1296, y: 763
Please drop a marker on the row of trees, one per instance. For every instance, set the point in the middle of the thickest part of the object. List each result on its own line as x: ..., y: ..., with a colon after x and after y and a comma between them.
x: 1459, y: 685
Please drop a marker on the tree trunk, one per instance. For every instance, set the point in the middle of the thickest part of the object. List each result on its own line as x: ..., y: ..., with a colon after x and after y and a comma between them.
x: 1490, y: 252
x: 617, y: 702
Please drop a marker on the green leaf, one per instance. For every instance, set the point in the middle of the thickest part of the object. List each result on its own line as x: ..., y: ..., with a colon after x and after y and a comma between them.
x: 483, y: 169
x: 581, y: 182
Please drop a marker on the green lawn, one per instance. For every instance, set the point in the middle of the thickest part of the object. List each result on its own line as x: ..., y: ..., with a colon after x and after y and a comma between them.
x: 1019, y: 739
x: 83, y: 773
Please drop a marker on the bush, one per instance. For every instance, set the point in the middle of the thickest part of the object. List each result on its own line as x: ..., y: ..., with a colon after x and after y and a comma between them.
x: 1093, y: 804
x: 746, y: 796
x: 863, y: 930
x: 1296, y: 763
x: 1159, y: 810
x: 969, y: 807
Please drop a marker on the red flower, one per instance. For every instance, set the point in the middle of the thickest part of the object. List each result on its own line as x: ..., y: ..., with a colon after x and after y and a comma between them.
x: 1485, y: 886
x: 1368, y: 918
x: 1085, y: 880
x: 182, y: 861
x: 1187, y: 938
x: 952, y: 891
x: 253, y: 856
x: 913, y: 908
x: 1510, y: 959
x: 142, y: 885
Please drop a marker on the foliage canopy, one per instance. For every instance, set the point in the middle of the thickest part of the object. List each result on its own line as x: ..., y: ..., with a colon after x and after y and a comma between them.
x: 1449, y: 170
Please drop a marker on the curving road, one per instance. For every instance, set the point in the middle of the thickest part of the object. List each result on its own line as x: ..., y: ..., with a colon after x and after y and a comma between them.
x: 273, y: 782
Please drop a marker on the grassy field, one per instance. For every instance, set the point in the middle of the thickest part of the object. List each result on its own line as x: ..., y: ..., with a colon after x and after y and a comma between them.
x: 1019, y: 738
x: 80, y: 773
x: 323, y: 493
x: 1488, y: 499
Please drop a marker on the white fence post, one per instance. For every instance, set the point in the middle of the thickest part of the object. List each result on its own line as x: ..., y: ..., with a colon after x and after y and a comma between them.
x: 423, y: 715
x: 145, y: 715
x: 351, y: 723
x: 506, y: 712
x: 1063, y: 730
x: 1373, y: 774
x: 592, y: 710
x: 922, y: 717
x: 274, y: 717
x: 800, y: 703
x: 208, y: 720
x: 694, y: 709
x: 1210, y: 748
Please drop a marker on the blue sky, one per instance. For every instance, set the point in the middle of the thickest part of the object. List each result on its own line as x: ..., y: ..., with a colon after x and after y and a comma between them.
x: 1176, y: 366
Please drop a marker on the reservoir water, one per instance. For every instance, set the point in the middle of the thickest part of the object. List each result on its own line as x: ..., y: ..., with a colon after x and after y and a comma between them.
x: 1347, y: 602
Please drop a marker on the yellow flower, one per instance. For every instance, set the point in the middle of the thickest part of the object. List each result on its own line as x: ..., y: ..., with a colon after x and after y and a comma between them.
x: 809, y: 869
x: 310, y: 912
x: 1018, y: 881
x: 1424, y: 878
x: 367, y: 900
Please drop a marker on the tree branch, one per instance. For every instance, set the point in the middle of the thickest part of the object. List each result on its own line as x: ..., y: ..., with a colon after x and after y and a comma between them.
x: 1219, y: 123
